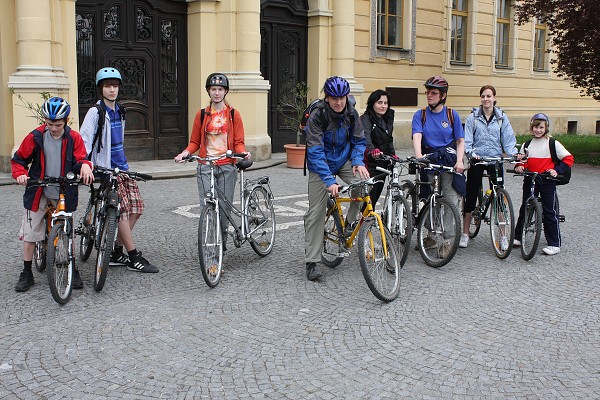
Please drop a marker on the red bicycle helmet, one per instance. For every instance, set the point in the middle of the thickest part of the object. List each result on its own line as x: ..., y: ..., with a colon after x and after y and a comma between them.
x: 437, y: 82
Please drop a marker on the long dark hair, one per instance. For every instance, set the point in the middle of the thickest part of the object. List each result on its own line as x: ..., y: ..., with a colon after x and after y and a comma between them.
x: 373, y: 98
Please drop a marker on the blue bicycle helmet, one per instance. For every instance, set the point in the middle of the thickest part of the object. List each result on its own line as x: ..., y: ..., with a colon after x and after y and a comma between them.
x: 56, y: 108
x: 107, y: 73
x: 336, y: 86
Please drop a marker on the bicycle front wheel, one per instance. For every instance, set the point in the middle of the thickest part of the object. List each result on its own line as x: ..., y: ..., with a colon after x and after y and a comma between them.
x: 60, y: 264
x: 532, y: 228
x: 108, y: 233
x: 39, y: 255
x: 333, y: 239
x: 261, y: 220
x: 210, y: 246
x: 380, y: 267
x: 86, y: 240
x: 502, y: 227
x: 402, y: 226
x: 438, y: 232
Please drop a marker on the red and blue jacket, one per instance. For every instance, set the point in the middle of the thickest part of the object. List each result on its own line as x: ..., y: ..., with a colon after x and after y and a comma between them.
x: 29, y: 160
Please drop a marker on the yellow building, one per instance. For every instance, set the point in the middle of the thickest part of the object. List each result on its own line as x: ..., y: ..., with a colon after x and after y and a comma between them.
x: 166, y: 48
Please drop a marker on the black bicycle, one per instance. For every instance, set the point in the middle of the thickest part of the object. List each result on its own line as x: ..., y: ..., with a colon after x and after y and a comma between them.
x: 436, y: 219
x: 99, y: 225
x: 533, y: 213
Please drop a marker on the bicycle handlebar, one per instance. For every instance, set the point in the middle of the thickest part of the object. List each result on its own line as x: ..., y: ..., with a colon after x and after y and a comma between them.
x: 477, y: 160
x: 70, y: 179
x: 428, y: 164
x: 371, y: 181
x: 534, y: 174
x: 138, y: 176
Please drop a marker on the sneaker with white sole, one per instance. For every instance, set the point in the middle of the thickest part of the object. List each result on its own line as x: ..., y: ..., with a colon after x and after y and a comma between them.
x: 516, y: 243
x: 503, y: 243
x: 140, y: 264
x: 464, y: 241
x: 118, y: 258
x: 551, y: 250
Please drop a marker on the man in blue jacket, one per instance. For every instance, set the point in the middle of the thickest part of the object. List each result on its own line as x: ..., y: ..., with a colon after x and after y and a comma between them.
x: 335, y: 146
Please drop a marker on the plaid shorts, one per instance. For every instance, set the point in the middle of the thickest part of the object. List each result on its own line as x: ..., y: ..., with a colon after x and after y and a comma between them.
x: 129, y: 194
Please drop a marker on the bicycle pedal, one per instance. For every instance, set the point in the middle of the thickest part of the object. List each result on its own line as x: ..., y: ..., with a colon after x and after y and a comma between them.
x: 561, y: 218
x: 344, y: 253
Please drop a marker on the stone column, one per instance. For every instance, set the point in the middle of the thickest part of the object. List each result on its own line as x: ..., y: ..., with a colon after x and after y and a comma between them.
x: 342, y: 43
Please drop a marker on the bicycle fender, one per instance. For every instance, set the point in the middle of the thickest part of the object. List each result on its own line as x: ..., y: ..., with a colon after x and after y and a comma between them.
x: 113, y: 199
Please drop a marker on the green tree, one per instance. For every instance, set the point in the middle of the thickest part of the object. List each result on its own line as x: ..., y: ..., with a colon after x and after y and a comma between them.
x: 574, y: 26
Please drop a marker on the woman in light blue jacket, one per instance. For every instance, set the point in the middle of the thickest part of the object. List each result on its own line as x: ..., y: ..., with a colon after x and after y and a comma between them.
x: 488, y: 133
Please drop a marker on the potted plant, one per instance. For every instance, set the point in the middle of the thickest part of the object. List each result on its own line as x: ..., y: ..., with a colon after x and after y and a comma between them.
x: 291, y: 106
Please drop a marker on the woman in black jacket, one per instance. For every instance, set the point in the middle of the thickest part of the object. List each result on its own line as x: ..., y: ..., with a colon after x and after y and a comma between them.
x: 378, y: 123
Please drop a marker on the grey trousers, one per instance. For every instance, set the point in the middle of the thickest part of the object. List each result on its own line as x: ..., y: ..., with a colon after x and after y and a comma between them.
x: 314, y: 219
x: 225, y: 179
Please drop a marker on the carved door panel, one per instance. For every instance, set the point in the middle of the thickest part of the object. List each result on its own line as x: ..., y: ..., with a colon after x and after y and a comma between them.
x: 146, y: 41
x: 283, y: 60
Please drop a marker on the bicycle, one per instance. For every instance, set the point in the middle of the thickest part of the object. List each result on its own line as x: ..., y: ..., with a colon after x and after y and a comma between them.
x: 39, y: 252
x: 533, y: 214
x: 501, y: 217
x: 98, y: 227
x: 396, y: 209
x: 376, y: 252
x: 60, y: 258
x: 437, y: 220
x: 256, y: 217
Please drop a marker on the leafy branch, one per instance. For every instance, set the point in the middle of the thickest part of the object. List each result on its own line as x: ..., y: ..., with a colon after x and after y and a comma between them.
x: 291, y: 106
x: 34, y: 108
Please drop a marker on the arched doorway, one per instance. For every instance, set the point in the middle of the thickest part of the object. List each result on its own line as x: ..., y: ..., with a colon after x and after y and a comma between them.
x: 147, y: 42
x: 283, y: 58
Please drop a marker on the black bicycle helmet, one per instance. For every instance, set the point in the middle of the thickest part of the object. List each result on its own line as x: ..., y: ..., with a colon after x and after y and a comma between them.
x: 56, y: 108
x: 336, y: 86
x: 217, y: 79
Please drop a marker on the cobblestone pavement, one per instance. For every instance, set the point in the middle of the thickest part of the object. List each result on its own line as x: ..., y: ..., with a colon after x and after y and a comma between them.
x: 477, y: 328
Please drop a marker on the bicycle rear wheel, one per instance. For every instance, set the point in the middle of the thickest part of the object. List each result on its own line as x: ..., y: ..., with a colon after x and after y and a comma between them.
x: 108, y: 233
x: 88, y: 229
x: 333, y: 239
x: 261, y: 220
x: 380, y: 268
x: 402, y: 226
x: 502, y: 223
x: 532, y: 228
x: 60, y: 264
x: 210, y: 246
x: 476, y: 216
x: 438, y: 232
x: 39, y: 255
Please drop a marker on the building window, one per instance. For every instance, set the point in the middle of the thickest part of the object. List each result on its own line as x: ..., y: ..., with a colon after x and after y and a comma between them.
x: 389, y: 23
x: 539, y: 49
x: 502, y: 33
x: 458, y: 46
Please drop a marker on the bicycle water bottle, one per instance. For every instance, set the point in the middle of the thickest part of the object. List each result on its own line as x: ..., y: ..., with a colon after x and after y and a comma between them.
x: 487, y: 195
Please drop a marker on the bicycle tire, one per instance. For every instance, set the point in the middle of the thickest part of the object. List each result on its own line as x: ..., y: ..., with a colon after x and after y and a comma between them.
x: 261, y: 220
x: 476, y: 216
x: 381, y: 271
x: 86, y: 239
x: 60, y: 264
x: 502, y: 208
x: 410, y: 193
x: 436, y: 241
x: 402, y: 227
x: 108, y: 233
x: 532, y: 228
x: 333, y: 239
x: 39, y: 254
x: 210, y: 246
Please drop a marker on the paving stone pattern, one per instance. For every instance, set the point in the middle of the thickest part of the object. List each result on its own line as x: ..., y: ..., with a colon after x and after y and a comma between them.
x: 477, y: 328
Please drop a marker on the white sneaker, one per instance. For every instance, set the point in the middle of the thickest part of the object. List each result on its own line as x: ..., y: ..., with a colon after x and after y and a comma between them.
x: 464, y: 240
x: 551, y: 250
x: 503, y: 243
x: 516, y: 243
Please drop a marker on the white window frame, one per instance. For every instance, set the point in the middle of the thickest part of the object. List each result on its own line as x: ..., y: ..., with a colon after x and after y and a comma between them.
x: 511, y: 68
x: 406, y: 51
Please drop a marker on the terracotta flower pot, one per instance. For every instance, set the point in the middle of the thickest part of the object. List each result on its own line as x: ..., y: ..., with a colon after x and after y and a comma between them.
x: 295, y: 155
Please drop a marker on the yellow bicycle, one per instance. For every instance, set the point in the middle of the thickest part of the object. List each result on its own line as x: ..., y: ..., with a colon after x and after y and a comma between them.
x: 376, y: 252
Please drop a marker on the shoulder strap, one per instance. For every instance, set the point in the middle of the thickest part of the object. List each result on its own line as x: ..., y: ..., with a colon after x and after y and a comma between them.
x: 203, y: 113
x: 553, y: 154
x: 99, y: 128
x: 450, y: 116
x: 423, y: 115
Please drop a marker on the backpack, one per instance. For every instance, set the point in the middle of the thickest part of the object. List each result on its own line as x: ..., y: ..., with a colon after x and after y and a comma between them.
x: 101, y: 117
x: 449, y: 113
x: 320, y: 104
x: 561, y: 179
x: 203, y: 113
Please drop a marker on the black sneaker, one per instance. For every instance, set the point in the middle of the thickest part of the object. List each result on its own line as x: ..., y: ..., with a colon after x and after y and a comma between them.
x: 140, y: 264
x: 118, y: 258
x: 77, y: 283
x: 311, y: 271
x: 25, y: 282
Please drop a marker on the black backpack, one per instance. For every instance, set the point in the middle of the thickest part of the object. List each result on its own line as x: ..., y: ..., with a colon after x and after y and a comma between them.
x: 561, y: 179
x: 101, y: 117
